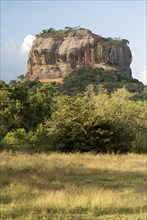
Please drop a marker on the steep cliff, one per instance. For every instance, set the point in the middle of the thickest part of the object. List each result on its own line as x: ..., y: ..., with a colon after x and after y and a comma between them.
x: 57, y: 54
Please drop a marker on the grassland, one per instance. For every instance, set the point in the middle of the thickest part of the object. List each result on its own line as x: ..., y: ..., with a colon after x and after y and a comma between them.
x: 73, y: 186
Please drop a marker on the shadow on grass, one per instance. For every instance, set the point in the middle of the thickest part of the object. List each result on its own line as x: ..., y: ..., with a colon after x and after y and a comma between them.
x: 78, y: 213
x: 28, y: 150
x: 57, y: 178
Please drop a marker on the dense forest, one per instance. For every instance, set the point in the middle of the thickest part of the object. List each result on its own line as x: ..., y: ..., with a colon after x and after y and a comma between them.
x: 94, y: 110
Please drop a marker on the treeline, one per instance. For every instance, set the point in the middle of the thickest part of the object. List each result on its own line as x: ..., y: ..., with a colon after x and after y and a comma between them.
x: 103, y: 81
x: 72, y: 117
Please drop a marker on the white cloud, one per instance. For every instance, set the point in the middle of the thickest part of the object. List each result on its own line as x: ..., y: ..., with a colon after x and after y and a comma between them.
x: 143, y: 77
x: 14, y: 58
x: 27, y: 43
x: 133, y: 54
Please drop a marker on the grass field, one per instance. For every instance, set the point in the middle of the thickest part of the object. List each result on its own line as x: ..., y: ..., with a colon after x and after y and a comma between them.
x: 73, y: 186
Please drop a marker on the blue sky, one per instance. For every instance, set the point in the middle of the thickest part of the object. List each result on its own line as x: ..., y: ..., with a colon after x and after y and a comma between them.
x: 125, y: 19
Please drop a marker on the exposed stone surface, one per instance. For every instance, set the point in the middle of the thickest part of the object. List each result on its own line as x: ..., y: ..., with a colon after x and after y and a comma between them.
x: 55, y: 57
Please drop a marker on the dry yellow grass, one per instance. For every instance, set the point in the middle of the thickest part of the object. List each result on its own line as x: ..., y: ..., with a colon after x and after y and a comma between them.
x: 73, y: 186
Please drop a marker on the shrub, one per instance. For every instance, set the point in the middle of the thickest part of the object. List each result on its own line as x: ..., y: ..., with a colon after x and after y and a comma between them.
x: 16, y: 138
x: 77, y: 124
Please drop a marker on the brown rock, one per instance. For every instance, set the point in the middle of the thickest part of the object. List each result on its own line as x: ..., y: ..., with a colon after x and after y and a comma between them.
x: 55, y: 57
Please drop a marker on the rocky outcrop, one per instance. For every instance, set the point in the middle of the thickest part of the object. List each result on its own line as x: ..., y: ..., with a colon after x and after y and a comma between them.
x: 56, y: 56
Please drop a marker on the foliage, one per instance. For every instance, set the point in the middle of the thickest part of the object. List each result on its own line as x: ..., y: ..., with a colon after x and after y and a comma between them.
x: 117, y: 42
x: 112, y: 80
x: 5, y: 97
x: 21, y: 138
x: 101, y: 123
x: 86, y: 113
x: 24, y: 106
x: 16, y: 138
x: 74, y: 127
x: 128, y: 117
x: 56, y: 33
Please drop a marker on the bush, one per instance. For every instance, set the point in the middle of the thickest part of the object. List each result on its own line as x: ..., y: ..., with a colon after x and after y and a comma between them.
x: 91, y: 124
x: 20, y: 138
x: 16, y: 138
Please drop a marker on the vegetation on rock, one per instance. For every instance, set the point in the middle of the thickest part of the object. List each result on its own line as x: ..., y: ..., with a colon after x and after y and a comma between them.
x: 106, y: 42
x: 56, y: 33
x: 110, y: 81
x: 117, y: 42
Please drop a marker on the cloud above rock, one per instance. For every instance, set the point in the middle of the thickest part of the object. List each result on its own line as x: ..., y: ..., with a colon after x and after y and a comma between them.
x: 14, y: 58
x: 143, y: 77
x: 27, y: 43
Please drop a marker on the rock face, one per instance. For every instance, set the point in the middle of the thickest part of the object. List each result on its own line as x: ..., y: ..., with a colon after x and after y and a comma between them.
x: 57, y: 56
